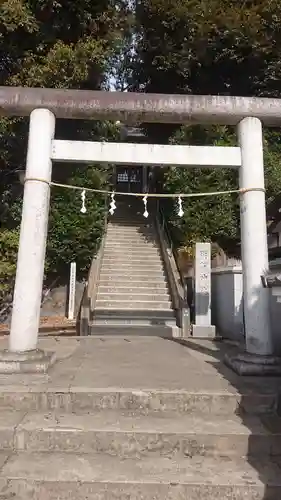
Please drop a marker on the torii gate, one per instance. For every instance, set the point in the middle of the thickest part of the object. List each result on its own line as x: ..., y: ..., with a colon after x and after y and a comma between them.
x: 45, y: 105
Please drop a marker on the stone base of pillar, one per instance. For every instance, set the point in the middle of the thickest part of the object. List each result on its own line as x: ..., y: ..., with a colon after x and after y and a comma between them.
x: 253, y: 365
x: 35, y: 361
x: 204, y: 332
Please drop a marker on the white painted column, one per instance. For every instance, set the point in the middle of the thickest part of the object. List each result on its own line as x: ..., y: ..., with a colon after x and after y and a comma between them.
x: 33, y: 233
x: 72, y: 290
x: 254, y: 239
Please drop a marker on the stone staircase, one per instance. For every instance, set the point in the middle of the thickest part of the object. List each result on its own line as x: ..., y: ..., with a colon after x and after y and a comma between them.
x: 80, y: 443
x: 132, y: 289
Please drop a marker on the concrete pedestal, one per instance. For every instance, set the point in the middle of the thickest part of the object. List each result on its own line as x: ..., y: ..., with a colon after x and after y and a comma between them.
x: 254, y: 365
x: 35, y: 361
x: 203, y: 332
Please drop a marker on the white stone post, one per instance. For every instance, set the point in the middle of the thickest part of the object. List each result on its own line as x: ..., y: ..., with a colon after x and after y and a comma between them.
x: 72, y: 290
x: 33, y: 234
x: 254, y: 239
x: 203, y: 327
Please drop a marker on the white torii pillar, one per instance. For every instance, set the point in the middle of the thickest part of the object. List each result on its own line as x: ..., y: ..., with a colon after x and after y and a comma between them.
x: 23, y: 355
x: 258, y: 358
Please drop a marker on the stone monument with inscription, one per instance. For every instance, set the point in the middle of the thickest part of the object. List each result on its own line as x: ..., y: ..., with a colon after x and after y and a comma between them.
x: 72, y: 290
x: 203, y: 327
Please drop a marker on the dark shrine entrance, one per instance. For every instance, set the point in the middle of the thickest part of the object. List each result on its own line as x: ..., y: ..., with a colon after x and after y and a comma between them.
x: 129, y: 179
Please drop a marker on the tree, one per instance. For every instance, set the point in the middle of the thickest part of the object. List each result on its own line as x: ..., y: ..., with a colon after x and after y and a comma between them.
x: 213, y: 218
x: 75, y: 236
x: 61, y: 44
x: 8, y: 251
x: 209, y: 47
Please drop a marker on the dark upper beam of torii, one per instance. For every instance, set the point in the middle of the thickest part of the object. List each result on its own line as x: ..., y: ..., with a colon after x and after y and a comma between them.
x: 130, y: 107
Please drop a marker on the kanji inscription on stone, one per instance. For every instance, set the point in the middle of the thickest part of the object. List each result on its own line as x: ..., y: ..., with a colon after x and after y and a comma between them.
x: 72, y: 289
x: 203, y: 284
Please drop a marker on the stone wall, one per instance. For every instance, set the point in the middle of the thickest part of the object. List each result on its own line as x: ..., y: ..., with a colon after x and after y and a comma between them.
x: 56, y: 302
x: 227, y: 304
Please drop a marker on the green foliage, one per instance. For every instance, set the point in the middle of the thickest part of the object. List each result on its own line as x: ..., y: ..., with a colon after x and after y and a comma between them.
x: 59, y: 44
x: 74, y: 236
x: 8, y: 251
x: 171, y: 46
x: 208, y: 47
x: 212, y: 218
x: 206, y: 218
x: 272, y: 160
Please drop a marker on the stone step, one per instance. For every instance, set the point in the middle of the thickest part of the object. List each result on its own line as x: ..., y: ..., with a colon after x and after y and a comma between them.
x: 135, y: 223
x: 144, y: 232
x: 137, y: 274
x: 76, y: 398
x: 152, y: 259
x: 144, y: 264
x: 135, y: 226
x: 124, y: 218
x: 131, y: 242
x: 130, y: 221
x: 130, y: 275
x: 134, y: 254
x: 123, y: 323
x: 132, y: 236
x: 149, y: 258
x: 130, y: 229
x: 128, y: 241
x: 158, y: 316
x: 131, y: 435
x: 134, y: 304
x: 101, y: 328
x: 112, y: 279
x: 140, y: 224
x: 136, y: 218
x: 70, y: 476
x: 132, y: 280
x: 132, y: 297
x: 126, y: 238
x: 141, y: 290
x: 117, y: 228
x: 132, y: 248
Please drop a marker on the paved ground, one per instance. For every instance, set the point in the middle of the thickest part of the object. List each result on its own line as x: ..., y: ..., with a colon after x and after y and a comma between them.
x: 135, y: 418
x: 137, y: 363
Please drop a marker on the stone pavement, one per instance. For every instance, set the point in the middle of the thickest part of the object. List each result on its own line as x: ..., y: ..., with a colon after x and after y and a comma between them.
x: 138, y: 418
x: 90, y: 363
